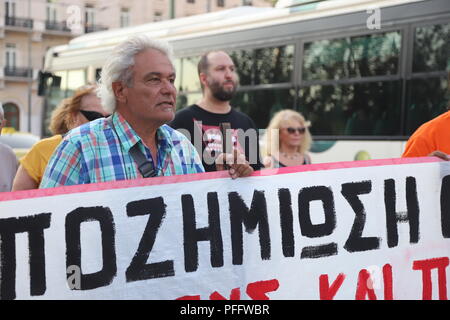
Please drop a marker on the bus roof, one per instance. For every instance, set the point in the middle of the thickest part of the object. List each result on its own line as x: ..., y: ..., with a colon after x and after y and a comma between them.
x: 219, y: 22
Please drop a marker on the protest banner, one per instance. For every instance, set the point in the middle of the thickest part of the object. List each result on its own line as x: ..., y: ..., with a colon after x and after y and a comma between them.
x: 377, y: 229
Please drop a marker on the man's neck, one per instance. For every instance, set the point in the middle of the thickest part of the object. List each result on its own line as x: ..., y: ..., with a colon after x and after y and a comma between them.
x: 144, y: 129
x: 213, y: 105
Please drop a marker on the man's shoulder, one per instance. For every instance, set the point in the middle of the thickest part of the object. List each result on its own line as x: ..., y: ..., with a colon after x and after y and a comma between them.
x: 184, y: 118
x: 238, y: 113
x: 441, y: 122
x: 91, y: 130
x: 243, y: 119
x: 443, y: 119
x: 173, y: 134
x: 186, y: 111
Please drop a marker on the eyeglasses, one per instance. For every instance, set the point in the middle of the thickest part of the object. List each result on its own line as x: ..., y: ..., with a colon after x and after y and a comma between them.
x: 92, y: 115
x: 291, y: 130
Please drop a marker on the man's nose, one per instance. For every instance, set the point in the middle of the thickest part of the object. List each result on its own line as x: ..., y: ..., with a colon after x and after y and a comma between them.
x: 229, y: 74
x: 168, y: 87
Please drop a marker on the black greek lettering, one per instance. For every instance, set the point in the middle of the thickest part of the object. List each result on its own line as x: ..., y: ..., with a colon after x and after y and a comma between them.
x: 138, y: 269
x: 286, y: 222
x: 74, y: 220
x: 256, y: 216
x: 308, y: 229
x: 355, y: 241
x: 34, y: 226
x: 445, y: 206
x: 192, y: 235
x: 393, y: 217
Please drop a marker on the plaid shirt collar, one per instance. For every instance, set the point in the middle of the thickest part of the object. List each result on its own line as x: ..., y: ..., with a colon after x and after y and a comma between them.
x: 128, y: 137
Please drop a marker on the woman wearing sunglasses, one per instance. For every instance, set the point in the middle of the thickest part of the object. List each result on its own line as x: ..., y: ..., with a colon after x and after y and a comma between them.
x: 286, y: 140
x: 82, y: 107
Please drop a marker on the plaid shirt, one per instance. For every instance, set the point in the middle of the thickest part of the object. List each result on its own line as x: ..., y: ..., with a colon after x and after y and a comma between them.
x: 95, y: 152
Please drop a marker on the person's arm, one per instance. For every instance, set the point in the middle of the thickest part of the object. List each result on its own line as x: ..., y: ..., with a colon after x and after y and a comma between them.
x: 440, y: 155
x: 23, y: 181
x: 417, y: 146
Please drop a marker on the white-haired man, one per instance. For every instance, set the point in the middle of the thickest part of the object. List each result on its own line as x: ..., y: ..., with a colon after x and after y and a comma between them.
x: 137, y: 86
x: 8, y: 160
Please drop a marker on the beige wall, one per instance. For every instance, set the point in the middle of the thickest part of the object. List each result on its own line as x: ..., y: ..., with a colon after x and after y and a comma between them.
x: 107, y: 13
x: 17, y: 89
x: 143, y: 11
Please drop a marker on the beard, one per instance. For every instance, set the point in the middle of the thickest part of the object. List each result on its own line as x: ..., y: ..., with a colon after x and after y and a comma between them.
x: 220, y: 93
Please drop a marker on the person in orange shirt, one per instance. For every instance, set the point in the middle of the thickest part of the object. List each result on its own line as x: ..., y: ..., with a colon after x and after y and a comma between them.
x: 432, y: 138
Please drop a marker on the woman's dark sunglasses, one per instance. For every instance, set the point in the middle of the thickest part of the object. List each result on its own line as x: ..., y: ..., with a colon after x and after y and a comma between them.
x: 292, y: 130
x: 91, y: 115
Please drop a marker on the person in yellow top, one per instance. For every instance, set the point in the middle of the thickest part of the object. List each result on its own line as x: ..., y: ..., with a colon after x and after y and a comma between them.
x: 82, y: 107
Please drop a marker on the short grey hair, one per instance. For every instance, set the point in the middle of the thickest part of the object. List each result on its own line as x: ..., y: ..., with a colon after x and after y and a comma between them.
x: 118, y: 65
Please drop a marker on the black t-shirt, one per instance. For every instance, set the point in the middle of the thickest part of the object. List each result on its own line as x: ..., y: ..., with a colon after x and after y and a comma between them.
x: 196, y: 123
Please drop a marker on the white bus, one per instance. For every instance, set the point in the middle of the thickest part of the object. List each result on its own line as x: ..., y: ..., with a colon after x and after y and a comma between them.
x: 365, y: 73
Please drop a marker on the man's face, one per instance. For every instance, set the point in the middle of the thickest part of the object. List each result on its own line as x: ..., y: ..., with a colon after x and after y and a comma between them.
x: 152, y: 94
x: 221, y: 78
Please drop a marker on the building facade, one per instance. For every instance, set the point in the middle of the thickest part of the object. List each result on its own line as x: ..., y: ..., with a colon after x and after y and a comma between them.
x: 29, y: 27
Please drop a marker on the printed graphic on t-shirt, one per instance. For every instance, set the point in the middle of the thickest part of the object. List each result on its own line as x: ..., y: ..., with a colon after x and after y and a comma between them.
x: 212, y: 139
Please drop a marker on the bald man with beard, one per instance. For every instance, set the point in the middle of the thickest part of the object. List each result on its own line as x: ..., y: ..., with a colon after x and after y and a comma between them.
x: 201, y: 121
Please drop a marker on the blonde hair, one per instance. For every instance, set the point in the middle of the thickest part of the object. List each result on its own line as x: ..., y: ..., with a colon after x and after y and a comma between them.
x: 64, y: 116
x: 271, y: 140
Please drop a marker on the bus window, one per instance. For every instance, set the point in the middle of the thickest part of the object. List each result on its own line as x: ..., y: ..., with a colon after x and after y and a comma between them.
x: 63, y: 75
x: 189, y: 74
x: 427, y: 94
x: 274, y: 65
x: 260, y: 105
x: 362, y: 109
x: 70, y: 81
x: 184, y: 100
x: 432, y: 48
x: 179, y: 74
x: 243, y: 60
x: 264, y: 65
x: 427, y: 98
x: 358, y: 56
x: 76, y: 79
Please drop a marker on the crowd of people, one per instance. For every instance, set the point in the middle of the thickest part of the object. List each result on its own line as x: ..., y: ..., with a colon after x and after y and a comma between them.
x: 126, y: 127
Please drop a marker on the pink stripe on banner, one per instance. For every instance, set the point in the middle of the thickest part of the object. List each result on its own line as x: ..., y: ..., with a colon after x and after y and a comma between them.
x: 140, y: 182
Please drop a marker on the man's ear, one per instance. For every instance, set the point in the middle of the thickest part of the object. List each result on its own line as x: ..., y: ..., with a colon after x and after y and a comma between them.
x: 202, y: 76
x: 120, y: 91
